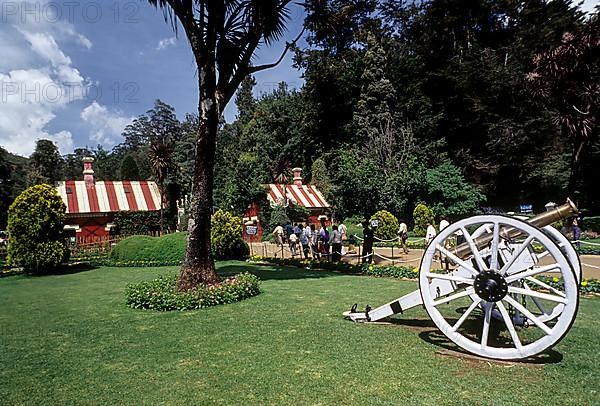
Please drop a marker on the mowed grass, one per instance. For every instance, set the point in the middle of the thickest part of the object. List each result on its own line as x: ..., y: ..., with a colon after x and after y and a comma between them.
x: 70, y: 339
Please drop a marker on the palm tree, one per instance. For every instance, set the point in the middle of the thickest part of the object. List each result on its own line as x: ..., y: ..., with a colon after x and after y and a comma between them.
x: 565, y: 77
x: 280, y: 169
x: 161, y: 160
x: 223, y: 34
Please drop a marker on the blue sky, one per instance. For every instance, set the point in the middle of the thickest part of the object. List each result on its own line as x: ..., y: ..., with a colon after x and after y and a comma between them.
x: 79, y: 72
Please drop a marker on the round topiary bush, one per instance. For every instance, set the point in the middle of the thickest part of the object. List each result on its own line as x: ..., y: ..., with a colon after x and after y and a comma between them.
x: 421, y: 216
x: 387, y: 225
x: 226, y: 236
x: 161, y: 294
x: 35, y: 225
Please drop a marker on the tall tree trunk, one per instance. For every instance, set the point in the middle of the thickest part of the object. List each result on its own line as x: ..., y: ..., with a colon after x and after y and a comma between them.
x: 162, y: 205
x: 198, y: 266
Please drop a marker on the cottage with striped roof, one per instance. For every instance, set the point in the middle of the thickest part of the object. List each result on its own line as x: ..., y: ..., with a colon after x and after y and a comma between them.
x: 92, y: 205
x: 297, y: 193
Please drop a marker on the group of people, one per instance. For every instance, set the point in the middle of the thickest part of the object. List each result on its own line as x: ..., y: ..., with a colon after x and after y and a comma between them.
x: 305, y: 239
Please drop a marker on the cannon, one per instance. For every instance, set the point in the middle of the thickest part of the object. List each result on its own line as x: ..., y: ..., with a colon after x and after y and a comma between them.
x: 486, y: 295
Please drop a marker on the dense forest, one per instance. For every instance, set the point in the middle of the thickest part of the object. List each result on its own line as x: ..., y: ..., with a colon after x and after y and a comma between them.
x: 461, y: 104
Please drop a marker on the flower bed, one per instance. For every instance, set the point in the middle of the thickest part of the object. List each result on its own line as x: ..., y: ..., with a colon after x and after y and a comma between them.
x: 161, y: 293
x: 5, y: 271
x: 364, y: 269
x: 588, y: 286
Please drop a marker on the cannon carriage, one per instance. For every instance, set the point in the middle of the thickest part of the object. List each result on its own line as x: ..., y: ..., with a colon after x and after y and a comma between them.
x: 486, y: 295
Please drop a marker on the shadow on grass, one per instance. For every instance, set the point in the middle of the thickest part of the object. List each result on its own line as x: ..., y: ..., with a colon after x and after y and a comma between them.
x: 428, y: 332
x: 67, y: 270
x: 273, y: 272
x: 438, y: 339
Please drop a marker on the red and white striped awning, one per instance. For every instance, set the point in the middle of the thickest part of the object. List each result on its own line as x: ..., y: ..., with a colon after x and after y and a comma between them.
x: 109, y: 196
x: 303, y: 195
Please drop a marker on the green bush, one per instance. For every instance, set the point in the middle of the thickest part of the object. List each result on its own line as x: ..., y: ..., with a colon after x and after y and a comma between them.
x: 169, y: 248
x: 161, y: 294
x: 297, y: 213
x: 137, y: 222
x: 226, y: 239
x: 449, y: 193
x: 35, y: 225
x: 387, y: 227
x: 591, y: 223
x: 278, y: 217
x: 421, y: 216
x: 226, y: 236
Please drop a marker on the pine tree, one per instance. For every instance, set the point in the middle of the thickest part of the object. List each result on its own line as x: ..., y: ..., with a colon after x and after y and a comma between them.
x: 46, y: 164
x: 129, y: 168
x: 244, y: 100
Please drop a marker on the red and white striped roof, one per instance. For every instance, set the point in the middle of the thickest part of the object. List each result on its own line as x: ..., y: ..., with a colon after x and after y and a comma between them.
x: 109, y: 196
x: 303, y: 195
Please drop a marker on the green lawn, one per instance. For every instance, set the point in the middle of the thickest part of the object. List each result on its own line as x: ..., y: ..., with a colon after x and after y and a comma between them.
x: 69, y: 339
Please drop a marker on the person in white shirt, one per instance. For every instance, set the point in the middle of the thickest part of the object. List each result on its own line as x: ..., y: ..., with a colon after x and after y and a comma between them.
x: 344, y: 233
x: 444, y: 223
x: 293, y: 243
x: 403, y: 236
x: 430, y: 233
x: 278, y: 233
x: 336, y: 244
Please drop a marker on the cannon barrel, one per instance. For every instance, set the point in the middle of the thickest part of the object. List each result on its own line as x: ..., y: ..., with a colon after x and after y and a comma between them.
x: 541, y: 220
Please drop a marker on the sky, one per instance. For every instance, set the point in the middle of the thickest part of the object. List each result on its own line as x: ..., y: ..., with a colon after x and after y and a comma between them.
x: 77, y: 72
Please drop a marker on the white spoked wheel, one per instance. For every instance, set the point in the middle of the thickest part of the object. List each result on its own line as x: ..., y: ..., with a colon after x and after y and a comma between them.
x: 490, y: 301
x: 547, y: 312
x: 566, y: 247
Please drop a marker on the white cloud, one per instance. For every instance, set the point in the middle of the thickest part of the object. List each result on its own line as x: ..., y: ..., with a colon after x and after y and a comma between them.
x: 67, y: 30
x: 588, y: 6
x: 37, y: 80
x: 44, y: 45
x: 165, y: 43
x: 29, y: 99
x: 106, y: 126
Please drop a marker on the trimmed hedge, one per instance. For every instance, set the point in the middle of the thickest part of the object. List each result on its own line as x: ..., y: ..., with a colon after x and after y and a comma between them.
x: 166, y: 249
x: 344, y: 267
x: 161, y: 293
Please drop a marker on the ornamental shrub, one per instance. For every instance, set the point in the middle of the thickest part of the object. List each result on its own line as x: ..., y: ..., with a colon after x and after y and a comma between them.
x: 35, y: 225
x: 161, y: 294
x: 591, y: 223
x: 387, y: 227
x: 421, y: 216
x: 226, y: 236
x: 137, y: 222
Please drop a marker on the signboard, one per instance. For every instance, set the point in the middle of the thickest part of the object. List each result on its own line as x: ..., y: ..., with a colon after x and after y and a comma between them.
x: 374, y: 223
x: 251, y: 230
x: 526, y: 208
